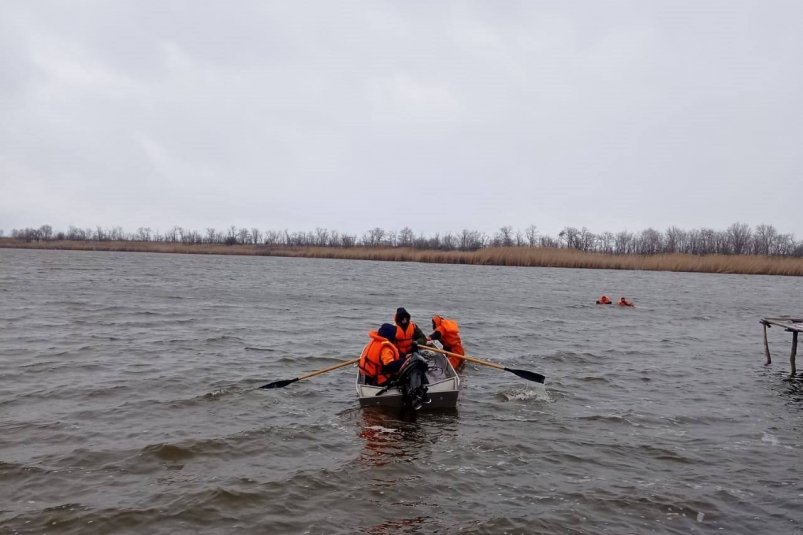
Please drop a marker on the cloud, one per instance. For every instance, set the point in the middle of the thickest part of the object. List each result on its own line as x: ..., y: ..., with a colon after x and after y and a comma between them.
x: 435, y: 116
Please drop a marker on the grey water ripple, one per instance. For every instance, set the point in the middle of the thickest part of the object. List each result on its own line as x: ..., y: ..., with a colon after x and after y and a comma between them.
x: 130, y: 400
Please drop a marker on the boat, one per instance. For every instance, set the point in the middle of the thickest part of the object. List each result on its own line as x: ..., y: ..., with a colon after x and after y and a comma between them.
x: 442, y: 390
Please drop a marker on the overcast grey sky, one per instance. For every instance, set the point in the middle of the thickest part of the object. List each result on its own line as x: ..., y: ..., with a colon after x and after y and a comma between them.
x: 435, y: 115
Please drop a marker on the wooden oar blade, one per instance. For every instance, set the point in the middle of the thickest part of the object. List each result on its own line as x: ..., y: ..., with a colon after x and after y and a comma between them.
x: 279, y: 384
x: 530, y: 376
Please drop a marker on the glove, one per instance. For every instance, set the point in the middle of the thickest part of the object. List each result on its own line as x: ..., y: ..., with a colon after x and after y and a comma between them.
x: 414, y: 348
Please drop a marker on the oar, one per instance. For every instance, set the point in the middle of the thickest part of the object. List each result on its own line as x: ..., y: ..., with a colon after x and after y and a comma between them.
x: 524, y: 374
x: 285, y: 382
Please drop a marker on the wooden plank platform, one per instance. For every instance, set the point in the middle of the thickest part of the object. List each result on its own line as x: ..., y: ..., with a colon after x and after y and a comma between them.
x: 793, y: 324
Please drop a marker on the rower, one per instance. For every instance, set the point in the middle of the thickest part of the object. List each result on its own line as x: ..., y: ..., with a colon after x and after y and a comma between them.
x: 447, y: 332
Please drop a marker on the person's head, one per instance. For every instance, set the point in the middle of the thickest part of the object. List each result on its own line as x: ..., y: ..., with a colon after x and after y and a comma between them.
x: 386, y: 330
x: 436, y: 321
x: 402, y: 317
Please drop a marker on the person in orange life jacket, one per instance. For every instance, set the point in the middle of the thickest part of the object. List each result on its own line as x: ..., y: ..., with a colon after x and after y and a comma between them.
x: 380, y: 359
x: 604, y: 300
x: 408, y: 335
x: 623, y: 302
x: 448, y: 333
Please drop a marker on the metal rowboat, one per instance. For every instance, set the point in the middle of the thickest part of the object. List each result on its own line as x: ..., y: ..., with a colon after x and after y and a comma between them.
x: 443, y: 388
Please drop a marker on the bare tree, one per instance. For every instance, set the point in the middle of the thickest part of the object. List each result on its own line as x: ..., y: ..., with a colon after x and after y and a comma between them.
x: 406, y: 237
x: 784, y: 245
x: 373, y: 237
x: 422, y: 242
x: 739, y: 237
x: 650, y: 242
x: 143, y: 234
x: 45, y: 232
x: 334, y: 239
x: 606, y: 242
x: 449, y: 242
x: 75, y: 233
x: 256, y: 236
x: 390, y: 239
x: 532, y: 235
x: 471, y: 240
x: 321, y: 237
x: 117, y: 233
x: 26, y: 234
x: 623, y: 242
x: 504, y: 237
x: 172, y: 234
x: 571, y: 237
x: 674, y: 240
x: 736, y: 239
x: 764, y: 239
x: 586, y: 239
x: 548, y: 241
x: 273, y: 237
x: 722, y: 243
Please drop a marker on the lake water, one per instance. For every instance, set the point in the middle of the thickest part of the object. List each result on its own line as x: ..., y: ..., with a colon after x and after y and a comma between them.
x: 129, y: 400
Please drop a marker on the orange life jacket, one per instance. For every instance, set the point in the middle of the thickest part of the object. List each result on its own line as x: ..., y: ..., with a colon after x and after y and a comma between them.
x: 376, y: 354
x: 404, y: 339
x: 450, y: 338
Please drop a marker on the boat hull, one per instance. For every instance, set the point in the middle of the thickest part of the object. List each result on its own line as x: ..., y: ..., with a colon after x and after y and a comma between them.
x: 443, y: 388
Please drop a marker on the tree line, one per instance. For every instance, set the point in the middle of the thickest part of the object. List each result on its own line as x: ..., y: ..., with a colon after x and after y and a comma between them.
x: 737, y: 239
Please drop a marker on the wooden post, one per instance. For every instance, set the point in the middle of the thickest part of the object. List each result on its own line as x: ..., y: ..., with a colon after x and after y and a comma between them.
x: 766, y: 346
x: 794, y: 352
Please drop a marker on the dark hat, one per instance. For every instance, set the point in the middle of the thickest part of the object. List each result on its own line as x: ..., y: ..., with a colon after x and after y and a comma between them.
x: 401, y: 314
x: 387, y: 331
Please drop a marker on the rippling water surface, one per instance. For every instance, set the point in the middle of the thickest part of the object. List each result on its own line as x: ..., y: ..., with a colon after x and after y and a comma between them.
x: 129, y: 400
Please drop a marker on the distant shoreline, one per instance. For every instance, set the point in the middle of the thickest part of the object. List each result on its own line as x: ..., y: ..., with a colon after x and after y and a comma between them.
x: 493, y: 256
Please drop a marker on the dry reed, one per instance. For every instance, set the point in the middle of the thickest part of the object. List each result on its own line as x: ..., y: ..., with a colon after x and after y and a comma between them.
x: 498, y: 256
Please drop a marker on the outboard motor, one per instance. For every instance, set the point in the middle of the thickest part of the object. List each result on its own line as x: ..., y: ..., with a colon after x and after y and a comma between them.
x: 412, y: 381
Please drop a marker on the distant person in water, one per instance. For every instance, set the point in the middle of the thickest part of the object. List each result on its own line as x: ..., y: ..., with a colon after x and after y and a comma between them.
x: 604, y: 300
x: 380, y: 359
x: 408, y: 335
x: 447, y: 332
x: 623, y: 302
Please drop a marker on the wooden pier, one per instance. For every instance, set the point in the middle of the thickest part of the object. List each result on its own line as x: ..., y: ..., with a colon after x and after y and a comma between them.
x: 790, y: 324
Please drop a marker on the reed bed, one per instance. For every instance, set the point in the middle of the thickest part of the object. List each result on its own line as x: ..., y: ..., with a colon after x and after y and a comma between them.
x: 498, y: 256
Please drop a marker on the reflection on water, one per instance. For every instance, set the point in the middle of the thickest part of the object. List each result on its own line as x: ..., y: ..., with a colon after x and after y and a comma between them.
x: 400, y: 435
x: 404, y: 525
x: 398, y: 446
x: 794, y: 389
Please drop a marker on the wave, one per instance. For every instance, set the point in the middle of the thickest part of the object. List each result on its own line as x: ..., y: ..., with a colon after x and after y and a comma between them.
x: 526, y: 394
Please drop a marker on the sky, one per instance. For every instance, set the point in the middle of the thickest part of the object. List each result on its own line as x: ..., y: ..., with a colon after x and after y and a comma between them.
x: 433, y: 115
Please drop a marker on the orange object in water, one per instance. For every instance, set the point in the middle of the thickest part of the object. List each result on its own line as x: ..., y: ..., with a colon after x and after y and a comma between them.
x: 623, y: 302
x: 604, y: 300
